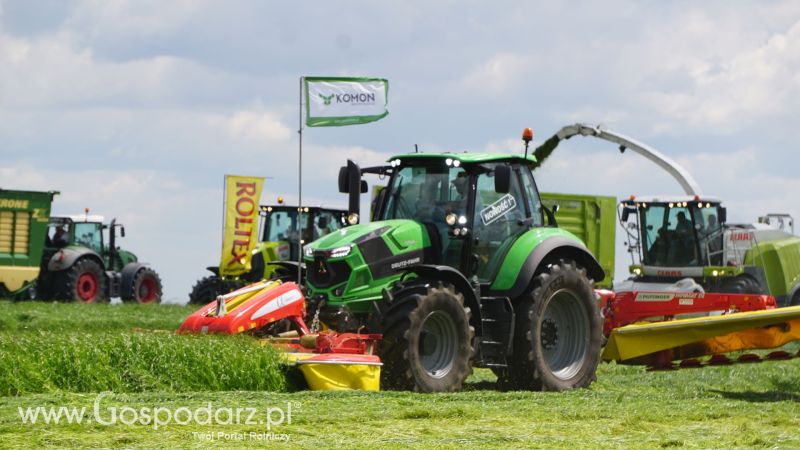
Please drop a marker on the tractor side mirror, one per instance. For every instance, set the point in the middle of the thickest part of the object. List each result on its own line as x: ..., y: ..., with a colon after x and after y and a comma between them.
x: 555, y: 208
x: 343, y: 185
x: 723, y: 215
x: 122, y: 231
x: 502, y: 179
x: 625, y: 214
x: 364, y: 187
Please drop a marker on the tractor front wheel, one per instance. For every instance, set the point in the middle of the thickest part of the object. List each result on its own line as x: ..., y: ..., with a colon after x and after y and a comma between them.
x: 84, y: 282
x: 427, y: 340
x: 558, y: 334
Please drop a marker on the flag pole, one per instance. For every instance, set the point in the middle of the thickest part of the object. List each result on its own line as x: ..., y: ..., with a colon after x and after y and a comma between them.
x: 300, y: 188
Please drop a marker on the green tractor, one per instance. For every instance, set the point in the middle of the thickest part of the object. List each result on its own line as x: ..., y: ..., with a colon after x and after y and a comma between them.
x: 278, y: 226
x: 82, y: 262
x: 463, y: 267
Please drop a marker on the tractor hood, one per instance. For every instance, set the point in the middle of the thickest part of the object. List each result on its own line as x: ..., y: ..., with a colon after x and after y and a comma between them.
x: 356, y: 260
x: 399, y: 235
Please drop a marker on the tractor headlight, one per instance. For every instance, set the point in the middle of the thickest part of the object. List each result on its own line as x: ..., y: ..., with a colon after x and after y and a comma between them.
x: 352, y: 218
x: 451, y: 219
x: 308, y: 252
x: 341, y: 251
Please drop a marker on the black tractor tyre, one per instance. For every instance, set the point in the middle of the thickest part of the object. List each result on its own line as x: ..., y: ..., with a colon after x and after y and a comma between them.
x: 427, y: 339
x: 208, y: 288
x: 741, y: 284
x: 84, y: 282
x: 558, y: 336
x: 146, y: 287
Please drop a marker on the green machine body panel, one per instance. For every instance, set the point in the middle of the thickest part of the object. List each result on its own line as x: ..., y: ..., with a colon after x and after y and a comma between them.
x: 780, y: 259
x: 593, y: 219
x: 361, y: 260
x: 23, y: 225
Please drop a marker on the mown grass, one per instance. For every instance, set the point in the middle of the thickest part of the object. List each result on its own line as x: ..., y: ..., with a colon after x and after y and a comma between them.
x: 67, y: 317
x: 739, y: 406
x: 135, y: 362
x: 742, y: 406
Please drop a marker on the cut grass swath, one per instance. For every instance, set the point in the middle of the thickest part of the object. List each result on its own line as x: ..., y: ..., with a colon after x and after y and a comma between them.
x: 135, y: 362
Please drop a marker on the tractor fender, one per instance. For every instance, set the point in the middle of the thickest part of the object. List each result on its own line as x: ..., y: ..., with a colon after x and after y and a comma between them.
x: 452, y: 276
x: 128, y: 274
x: 550, y: 250
x: 65, y: 258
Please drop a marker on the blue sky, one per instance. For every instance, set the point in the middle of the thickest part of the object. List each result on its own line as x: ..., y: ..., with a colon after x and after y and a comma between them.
x: 138, y: 109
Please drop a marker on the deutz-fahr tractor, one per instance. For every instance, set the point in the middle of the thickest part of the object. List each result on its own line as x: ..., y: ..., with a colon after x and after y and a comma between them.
x: 279, y: 242
x: 82, y: 262
x: 463, y: 267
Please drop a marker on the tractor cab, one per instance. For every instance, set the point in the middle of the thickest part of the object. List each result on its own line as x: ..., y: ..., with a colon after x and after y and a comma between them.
x: 279, y: 227
x: 88, y: 231
x: 473, y: 207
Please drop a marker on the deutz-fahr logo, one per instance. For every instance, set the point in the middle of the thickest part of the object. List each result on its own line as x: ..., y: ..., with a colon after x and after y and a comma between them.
x: 354, y: 98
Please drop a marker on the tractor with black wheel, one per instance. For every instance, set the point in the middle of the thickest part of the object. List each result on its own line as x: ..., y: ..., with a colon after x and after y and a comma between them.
x: 279, y: 241
x: 82, y: 262
x: 463, y: 267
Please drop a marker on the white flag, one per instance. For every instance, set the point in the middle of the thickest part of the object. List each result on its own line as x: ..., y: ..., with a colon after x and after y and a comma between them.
x: 332, y: 101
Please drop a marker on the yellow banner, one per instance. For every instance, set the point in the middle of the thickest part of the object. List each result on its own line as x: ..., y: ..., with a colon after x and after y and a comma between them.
x: 242, y: 196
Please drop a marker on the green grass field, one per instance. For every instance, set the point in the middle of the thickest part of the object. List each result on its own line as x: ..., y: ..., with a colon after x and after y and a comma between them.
x: 739, y: 406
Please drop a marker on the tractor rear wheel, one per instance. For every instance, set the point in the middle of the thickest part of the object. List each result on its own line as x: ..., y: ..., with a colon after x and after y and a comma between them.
x: 84, y: 282
x: 146, y: 286
x: 558, y: 334
x: 208, y: 288
x: 427, y: 339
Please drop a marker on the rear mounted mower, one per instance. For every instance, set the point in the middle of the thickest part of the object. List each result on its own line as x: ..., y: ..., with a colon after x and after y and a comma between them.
x: 273, y: 311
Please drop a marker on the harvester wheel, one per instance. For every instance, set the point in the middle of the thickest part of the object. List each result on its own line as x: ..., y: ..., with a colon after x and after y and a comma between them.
x: 427, y: 339
x: 559, y: 333
x: 146, y: 286
x: 741, y: 284
x: 84, y: 282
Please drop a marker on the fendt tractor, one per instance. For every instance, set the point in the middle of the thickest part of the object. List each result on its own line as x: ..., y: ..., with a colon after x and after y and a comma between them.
x: 688, y: 237
x: 73, y: 258
x: 462, y: 268
x: 278, y: 242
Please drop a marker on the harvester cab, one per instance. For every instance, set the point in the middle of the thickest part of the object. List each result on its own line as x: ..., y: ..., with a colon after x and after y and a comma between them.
x: 81, y: 261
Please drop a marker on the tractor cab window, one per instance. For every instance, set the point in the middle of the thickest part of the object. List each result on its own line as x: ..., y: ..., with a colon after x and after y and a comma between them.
x: 499, y: 220
x: 670, y: 236
x: 281, y: 226
x: 57, y: 235
x: 89, y: 235
x: 427, y: 194
x: 331, y: 222
x: 534, y: 202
